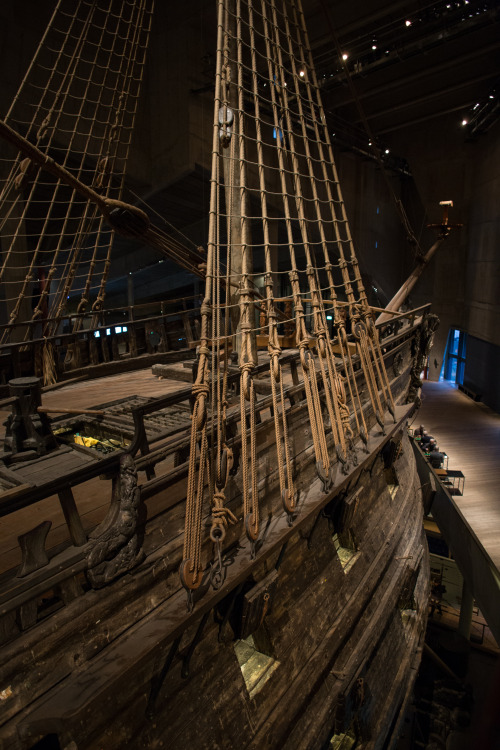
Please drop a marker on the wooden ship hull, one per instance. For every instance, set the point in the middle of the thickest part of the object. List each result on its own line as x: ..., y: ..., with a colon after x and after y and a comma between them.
x: 317, y: 634
x: 260, y: 577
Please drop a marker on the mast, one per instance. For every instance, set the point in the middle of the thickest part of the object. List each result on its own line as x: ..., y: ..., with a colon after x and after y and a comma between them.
x: 444, y: 229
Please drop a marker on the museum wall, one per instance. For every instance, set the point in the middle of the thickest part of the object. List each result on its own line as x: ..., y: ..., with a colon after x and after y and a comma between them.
x: 482, y: 366
x: 463, y: 279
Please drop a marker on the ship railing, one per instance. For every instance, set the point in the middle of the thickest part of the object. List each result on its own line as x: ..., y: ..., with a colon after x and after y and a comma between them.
x: 123, y: 333
x: 397, y: 334
x: 68, y: 560
x: 401, y: 318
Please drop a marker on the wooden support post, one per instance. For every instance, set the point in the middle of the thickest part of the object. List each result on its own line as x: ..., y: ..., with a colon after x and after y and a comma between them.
x: 132, y: 338
x: 187, y: 328
x: 71, y: 515
x: 432, y: 654
x: 105, y: 347
x: 115, y: 353
x: 466, y: 608
x: 93, y: 351
x: 293, y: 370
x: 160, y: 326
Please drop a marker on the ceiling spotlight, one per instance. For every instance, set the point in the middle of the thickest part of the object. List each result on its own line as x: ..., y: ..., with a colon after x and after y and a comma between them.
x: 386, y: 151
x: 374, y: 46
x: 345, y: 56
x: 464, y: 122
x: 407, y: 23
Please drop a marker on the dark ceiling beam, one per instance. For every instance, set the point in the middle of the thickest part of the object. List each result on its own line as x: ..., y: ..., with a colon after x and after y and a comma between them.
x: 428, y: 97
x: 366, y: 21
x: 422, y: 74
x: 432, y: 116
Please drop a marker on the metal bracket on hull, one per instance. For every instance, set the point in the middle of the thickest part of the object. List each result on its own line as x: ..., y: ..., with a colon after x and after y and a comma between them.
x: 158, y: 680
x: 327, y: 480
x: 186, y: 659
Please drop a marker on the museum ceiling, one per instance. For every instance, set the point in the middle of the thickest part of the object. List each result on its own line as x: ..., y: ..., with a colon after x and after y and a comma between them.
x: 409, y: 62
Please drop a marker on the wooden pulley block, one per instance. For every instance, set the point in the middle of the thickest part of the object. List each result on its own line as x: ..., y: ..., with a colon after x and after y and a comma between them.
x: 190, y: 578
x: 288, y: 500
x: 251, y: 528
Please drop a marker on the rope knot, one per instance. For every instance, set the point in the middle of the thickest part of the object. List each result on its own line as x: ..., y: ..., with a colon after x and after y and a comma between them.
x: 200, y: 389
x: 205, y: 308
x: 304, y: 352
x: 201, y: 392
x: 221, y: 517
x: 246, y: 370
x: 82, y: 305
x: 275, y: 362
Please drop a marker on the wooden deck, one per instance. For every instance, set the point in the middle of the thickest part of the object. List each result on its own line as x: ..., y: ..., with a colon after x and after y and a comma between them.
x: 92, y: 499
x: 469, y: 433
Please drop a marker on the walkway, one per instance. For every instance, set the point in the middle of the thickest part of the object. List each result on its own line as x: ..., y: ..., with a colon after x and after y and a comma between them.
x: 469, y: 433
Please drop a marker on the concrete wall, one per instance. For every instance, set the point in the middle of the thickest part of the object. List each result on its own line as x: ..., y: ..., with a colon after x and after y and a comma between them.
x: 379, y: 240
x: 482, y: 366
x: 482, y: 272
x: 180, y: 121
x: 463, y: 280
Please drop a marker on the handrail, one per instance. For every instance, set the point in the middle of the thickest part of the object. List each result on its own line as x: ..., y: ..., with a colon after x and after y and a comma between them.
x: 110, y: 463
x: 407, y: 314
x: 85, y: 332
x: 473, y: 560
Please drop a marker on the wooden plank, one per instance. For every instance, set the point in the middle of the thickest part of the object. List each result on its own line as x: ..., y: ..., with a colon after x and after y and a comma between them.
x: 135, y: 651
x: 53, y: 467
x: 14, y: 492
x: 72, y: 518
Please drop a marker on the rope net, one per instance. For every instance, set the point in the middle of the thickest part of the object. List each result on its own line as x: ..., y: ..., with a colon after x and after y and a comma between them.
x: 275, y: 200
x: 76, y: 104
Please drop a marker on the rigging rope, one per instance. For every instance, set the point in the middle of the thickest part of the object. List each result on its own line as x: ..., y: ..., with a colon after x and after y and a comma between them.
x: 86, y: 76
x: 273, y: 159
